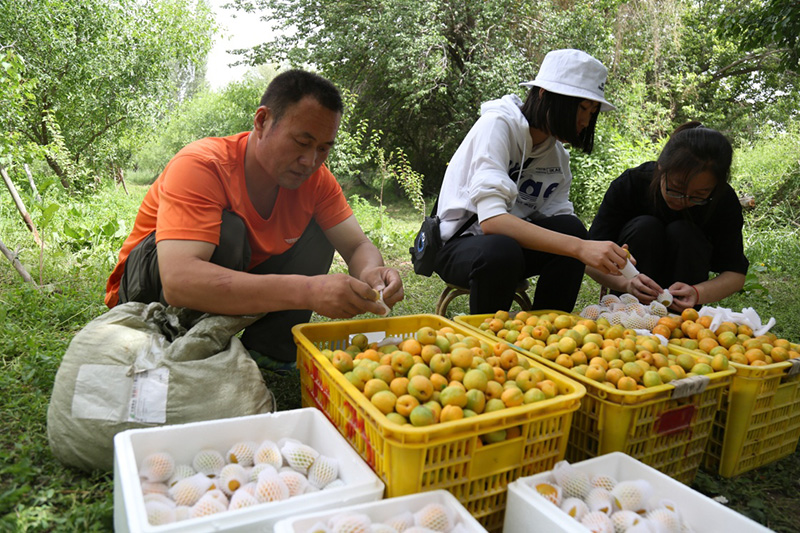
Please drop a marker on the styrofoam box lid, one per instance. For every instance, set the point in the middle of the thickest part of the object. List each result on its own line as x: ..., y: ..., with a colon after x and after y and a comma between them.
x: 308, y: 425
x: 525, y: 506
x: 385, y: 509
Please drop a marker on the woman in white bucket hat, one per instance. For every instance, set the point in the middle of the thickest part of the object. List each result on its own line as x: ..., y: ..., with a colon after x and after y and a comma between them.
x: 512, y: 171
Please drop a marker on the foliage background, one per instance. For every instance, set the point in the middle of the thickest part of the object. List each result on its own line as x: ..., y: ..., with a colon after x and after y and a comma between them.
x: 98, y: 95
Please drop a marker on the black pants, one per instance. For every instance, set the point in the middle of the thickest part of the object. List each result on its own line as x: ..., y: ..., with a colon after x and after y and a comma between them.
x: 668, y: 252
x: 492, y: 266
x: 271, y: 335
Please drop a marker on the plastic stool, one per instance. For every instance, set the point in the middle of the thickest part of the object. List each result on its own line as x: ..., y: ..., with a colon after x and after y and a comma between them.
x: 451, y: 292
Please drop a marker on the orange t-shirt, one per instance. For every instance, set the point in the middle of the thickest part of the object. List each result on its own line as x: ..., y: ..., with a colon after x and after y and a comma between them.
x: 207, y: 177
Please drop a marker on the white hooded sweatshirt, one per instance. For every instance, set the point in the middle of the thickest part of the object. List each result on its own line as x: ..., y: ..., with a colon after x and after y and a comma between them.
x: 487, y: 176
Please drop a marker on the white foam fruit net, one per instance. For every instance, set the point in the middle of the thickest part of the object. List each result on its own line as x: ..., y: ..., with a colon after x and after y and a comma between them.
x: 603, y: 481
x: 634, y: 321
x: 574, y: 483
x: 633, y: 495
x: 592, y: 312
x: 188, y: 491
x: 600, y: 500
x: 323, y: 471
x: 261, y: 467
x: 613, y: 506
x: 298, y: 455
x: 268, y: 452
x: 597, y: 522
x: 241, y: 499
x: 182, y: 471
x: 350, y: 523
x: 151, y: 487
x: 434, y: 516
x: 208, y: 462
x: 626, y: 311
x: 335, y: 484
x: 609, y: 299
x: 669, y: 521
x: 658, y: 309
x: 231, y: 477
x: 575, y: 507
x: 209, y: 504
x: 271, y: 488
x: 183, y: 512
x: 401, y: 522
x: 159, y: 513
x: 157, y: 467
x: 242, y: 453
x: 221, y: 481
x: 624, y: 520
x: 156, y: 497
x: 319, y: 527
x: 550, y: 491
x: 296, y: 481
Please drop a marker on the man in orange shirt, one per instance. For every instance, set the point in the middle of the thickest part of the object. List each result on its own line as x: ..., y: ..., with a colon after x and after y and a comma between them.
x: 248, y: 224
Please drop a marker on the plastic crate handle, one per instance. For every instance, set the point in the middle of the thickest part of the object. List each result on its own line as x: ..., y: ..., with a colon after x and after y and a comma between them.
x: 689, y: 386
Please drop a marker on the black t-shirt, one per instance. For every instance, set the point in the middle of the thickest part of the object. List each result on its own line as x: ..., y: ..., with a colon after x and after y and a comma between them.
x: 629, y: 196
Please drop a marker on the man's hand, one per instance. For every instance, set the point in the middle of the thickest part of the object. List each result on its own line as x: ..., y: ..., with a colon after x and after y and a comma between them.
x: 645, y: 289
x: 683, y: 296
x: 342, y: 296
x: 387, y: 280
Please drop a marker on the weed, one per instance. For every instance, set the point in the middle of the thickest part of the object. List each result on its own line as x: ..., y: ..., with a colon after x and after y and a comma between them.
x: 36, y: 325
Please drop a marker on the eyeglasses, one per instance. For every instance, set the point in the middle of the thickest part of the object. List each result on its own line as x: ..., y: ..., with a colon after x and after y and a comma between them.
x: 678, y: 195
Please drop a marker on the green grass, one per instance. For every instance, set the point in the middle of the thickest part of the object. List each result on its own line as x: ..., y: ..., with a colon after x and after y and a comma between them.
x: 36, y: 325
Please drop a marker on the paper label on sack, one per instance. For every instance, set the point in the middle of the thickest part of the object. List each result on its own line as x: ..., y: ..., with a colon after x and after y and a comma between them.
x: 101, y: 393
x: 107, y: 392
x: 148, y: 400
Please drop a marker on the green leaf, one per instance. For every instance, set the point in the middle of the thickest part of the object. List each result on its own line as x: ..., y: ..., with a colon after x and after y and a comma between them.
x: 72, y: 233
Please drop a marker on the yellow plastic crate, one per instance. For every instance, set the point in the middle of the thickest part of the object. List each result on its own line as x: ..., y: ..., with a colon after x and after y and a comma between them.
x: 445, y: 456
x: 758, y: 421
x: 666, y: 427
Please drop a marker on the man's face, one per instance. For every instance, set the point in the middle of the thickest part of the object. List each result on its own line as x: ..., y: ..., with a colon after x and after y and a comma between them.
x: 292, y: 149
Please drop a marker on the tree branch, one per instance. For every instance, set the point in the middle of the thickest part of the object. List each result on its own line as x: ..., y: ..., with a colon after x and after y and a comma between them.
x: 98, y: 133
x: 20, y: 206
x: 17, y: 265
x: 732, y: 70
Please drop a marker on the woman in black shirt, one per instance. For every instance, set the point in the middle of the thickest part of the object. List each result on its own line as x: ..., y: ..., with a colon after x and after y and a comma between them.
x: 680, y: 219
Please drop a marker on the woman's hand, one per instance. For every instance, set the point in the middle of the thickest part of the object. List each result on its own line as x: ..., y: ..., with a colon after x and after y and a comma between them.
x: 605, y: 256
x: 643, y: 287
x: 683, y: 296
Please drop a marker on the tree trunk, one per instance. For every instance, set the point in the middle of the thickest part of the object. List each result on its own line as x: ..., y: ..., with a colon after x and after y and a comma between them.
x: 120, y: 178
x: 17, y: 265
x: 32, y: 183
x: 62, y: 176
x: 20, y: 206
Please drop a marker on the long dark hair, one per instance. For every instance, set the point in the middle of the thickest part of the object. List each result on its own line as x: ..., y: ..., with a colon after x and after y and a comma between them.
x: 557, y: 114
x: 691, y: 150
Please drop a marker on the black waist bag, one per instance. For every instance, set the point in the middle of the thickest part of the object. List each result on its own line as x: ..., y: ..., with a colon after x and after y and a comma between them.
x: 428, y: 242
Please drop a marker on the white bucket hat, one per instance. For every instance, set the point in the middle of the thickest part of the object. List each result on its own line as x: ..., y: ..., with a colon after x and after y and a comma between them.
x: 573, y: 73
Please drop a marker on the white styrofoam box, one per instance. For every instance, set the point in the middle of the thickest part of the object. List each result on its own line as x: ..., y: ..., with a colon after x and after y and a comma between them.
x: 183, y: 441
x: 385, y: 509
x: 526, y: 508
